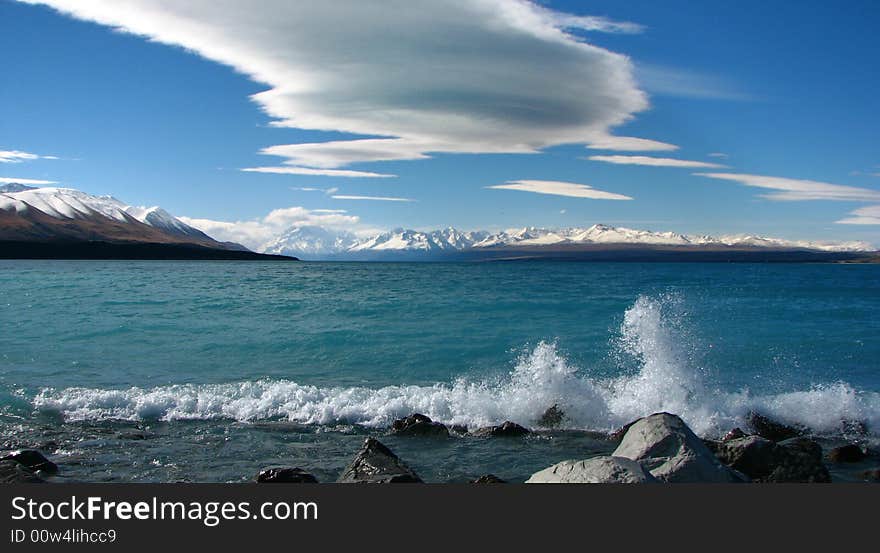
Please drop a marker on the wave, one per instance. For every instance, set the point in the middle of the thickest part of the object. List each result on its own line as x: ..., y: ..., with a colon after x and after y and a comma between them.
x: 665, y: 379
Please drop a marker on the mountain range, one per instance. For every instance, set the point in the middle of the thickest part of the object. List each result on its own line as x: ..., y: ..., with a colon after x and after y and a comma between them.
x: 62, y: 222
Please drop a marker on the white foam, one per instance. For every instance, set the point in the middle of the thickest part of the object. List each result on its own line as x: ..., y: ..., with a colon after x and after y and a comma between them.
x: 667, y: 379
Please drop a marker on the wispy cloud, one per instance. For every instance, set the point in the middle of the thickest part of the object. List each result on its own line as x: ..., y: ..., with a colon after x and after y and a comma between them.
x: 256, y: 233
x: 869, y: 215
x: 719, y: 155
x: 400, y: 74
x: 670, y: 81
x: 317, y: 172
x: 16, y: 180
x: 797, y: 189
x: 371, y: 198
x: 17, y: 156
x: 654, y: 161
x: 558, y: 188
x: 328, y: 191
x: 630, y: 144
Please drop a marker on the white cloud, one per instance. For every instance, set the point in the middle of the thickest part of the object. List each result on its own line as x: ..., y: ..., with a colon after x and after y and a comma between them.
x: 316, y: 172
x: 14, y: 180
x: 558, y: 188
x: 255, y: 233
x: 719, y: 155
x: 869, y: 215
x: 630, y: 144
x: 654, y: 161
x: 371, y: 198
x: 799, y: 190
x: 16, y: 156
x: 453, y: 76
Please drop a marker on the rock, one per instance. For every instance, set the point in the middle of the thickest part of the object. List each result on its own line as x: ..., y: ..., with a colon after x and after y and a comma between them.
x: 32, y: 459
x: 872, y: 475
x: 854, y: 428
x: 286, y: 475
x: 489, y: 479
x: 850, y: 453
x: 618, y: 434
x: 762, y: 460
x: 460, y: 429
x: 734, y: 434
x: 552, y: 417
x: 503, y: 430
x: 664, y: 445
x: 13, y: 472
x: 418, y: 425
x: 770, y: 429
x: 598, y: 470
x: 376, y: 464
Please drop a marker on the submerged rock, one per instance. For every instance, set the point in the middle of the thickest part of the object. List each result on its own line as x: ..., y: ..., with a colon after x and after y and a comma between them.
x: 418, y: 425
x: 552, y: 417
x: 850, y: 453
x: 598, y: 470
x: 794, y: 460
x: 489, y: 479
x: 376, y: 464
x: 32, y: 459
x: 664, y: 445
x: 13, y: 472
x: 285, y: 475
x: 772, y: 430
x: 503, y: 430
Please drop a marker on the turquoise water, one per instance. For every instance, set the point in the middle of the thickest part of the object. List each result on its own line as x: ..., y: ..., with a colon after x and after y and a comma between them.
x: 228, y: 366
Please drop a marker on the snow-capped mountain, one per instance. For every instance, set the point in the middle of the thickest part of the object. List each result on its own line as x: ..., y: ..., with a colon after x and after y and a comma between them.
x: 315, y: 243
x: 51, y: 213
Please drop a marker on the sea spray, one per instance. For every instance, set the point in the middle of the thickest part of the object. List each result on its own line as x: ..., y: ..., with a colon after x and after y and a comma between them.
x: 665, y: 375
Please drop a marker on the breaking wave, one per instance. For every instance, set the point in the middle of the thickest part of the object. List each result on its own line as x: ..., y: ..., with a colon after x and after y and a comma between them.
x: 665, y: 378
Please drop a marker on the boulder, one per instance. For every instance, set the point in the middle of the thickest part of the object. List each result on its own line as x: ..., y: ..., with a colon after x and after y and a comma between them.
x: 376, y: 464
x: 618, y: 434
x: 460, y: 429
x: 598, y: 470
x: 489, y: 479
x: 772, y: 430
x: 503, y: 430
x: 552, y: 417
x: 664, y: 445
x: 32, y: 459
x: 734, y: 434
x: 850, y: 453
x: 762, y: 460
x: 285, y: 475
x: 13, y: 472
x: 418, y: 425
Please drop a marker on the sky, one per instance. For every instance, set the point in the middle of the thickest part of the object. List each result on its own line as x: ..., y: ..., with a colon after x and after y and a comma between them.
x: 708, y: 118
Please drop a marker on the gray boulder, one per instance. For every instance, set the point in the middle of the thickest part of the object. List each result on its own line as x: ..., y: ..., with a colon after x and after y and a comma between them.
x: 376, y: 464
x: 418, y: 425
x: 598, y: 470
x: 794, y: 460
x: 664, y: 445
x: 506, y: 429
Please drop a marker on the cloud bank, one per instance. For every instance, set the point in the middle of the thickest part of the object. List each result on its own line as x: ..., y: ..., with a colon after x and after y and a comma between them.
x: 557, y: 188
x: 14, y: 180
x: 421, y: 76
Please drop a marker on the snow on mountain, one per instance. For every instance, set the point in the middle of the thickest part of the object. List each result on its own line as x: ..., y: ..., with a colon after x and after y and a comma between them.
x: 315, y: 242
x: 68, y: 203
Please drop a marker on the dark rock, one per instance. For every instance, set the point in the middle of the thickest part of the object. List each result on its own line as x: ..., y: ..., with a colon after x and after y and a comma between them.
x: 793, y: 460
x: 506, y: 429
x: 418, y: 425
x: 618, y: 434
x: 734, y: 434
x: 850, y: 453
x: 32, y: 459
x: 489, y: 479
x: 459, y: 429
x: 713, y: 445
x: 13, y: 472
x: 772, y: 430
x: 376, y: 464
x: 854, y: 428
x: 872, y: 475
x: 552, y: 417
x: 286, y: 475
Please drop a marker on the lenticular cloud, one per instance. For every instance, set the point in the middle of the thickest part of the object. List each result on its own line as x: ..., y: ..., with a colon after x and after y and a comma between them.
x: 470, y: 76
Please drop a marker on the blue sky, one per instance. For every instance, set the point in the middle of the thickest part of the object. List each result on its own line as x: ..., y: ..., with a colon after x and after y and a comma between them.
x: 786, y: 91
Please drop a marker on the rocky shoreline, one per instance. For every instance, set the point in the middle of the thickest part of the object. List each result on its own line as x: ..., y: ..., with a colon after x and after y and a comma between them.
x: 659, y: 448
